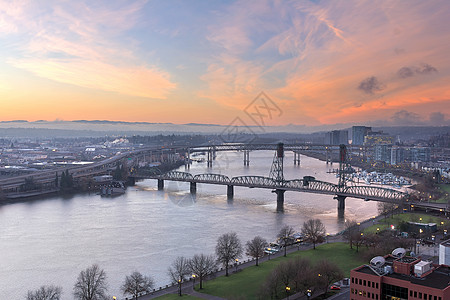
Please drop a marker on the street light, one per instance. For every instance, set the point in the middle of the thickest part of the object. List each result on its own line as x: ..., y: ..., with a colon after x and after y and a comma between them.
x: 287, y: 291
x: 193, y: 281
x: 236, y: 263
x: 308, y: 293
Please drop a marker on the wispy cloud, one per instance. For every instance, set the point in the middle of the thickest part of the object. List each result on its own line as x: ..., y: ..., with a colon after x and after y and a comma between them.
x: 319, y: 57
x: 85, y: 44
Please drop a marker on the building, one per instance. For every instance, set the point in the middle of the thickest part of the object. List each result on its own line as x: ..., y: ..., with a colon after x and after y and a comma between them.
x: 358, y: 134
x: 378, y: 138
x: 397, y: 155
x: 336, y: 137
x: 383, y: 153
x: 399, y: 277
x: 420, y: 154
x: 444, y: 253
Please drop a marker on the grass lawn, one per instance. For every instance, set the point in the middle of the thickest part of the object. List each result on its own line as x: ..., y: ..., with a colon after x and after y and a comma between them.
x: 445, y: 189
x: 247, y: 283
x: 397, y: 219
x: 176, y: 297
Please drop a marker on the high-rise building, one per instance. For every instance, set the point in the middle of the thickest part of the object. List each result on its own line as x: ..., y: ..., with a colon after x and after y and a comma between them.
x: 420, y: 154
x: 336, y: 137
x: 383, y: 153
x: 358, y: 134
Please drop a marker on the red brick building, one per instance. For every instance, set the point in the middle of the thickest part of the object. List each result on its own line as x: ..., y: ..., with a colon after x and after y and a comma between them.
x: 399, y: 278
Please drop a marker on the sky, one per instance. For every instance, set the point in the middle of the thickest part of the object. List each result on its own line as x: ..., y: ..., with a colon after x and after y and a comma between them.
x: 217, y: 62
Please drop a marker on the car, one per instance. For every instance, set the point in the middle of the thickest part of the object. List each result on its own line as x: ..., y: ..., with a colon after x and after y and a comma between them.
x: 335, y: 287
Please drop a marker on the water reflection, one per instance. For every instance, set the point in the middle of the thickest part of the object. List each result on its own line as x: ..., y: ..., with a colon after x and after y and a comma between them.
x: 50, y: 241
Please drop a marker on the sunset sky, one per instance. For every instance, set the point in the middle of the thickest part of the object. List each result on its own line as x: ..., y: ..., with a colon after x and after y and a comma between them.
x: 192, y: 61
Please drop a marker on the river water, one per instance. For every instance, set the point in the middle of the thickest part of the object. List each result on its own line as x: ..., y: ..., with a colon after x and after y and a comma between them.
x: 50, y: 241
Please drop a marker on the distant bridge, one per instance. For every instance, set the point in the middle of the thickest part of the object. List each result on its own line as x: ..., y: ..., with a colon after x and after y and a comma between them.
x: 46, y: 178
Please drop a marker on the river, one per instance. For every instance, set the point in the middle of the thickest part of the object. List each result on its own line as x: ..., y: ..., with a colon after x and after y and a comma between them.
x: 49, y: 241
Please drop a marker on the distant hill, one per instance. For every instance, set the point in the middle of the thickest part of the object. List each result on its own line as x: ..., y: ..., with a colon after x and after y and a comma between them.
x: 97, y: 128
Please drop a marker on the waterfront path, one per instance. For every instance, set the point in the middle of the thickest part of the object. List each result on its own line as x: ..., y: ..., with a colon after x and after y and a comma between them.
x: 187, y: 286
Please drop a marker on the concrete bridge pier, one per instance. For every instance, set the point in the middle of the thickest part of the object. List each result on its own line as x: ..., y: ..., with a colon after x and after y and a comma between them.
x: 210, y: 158
x: 187, y: 161
x: 280, y: 200
x: 193, y: 188
x: 230, y: 192
x: 160, y: 184
x: 246, y: 157
x: 296, y: 158
x: 341, y: 202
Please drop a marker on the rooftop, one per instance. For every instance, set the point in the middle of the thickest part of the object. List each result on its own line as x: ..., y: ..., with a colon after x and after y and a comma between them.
x: 438, y: 279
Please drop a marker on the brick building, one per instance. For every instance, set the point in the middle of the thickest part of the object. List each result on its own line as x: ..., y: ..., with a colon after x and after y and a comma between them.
x: 398, y: 278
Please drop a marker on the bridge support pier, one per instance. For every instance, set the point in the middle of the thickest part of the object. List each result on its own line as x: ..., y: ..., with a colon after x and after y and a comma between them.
x: 187, y: 161
x: 160, y: 184
x: 193, y: 188
x: 230, y: 192
x: 210, y: 158
x: 246, y: 157
x: 341, y: 202
x: 280, y: 200
x: 296, y: 158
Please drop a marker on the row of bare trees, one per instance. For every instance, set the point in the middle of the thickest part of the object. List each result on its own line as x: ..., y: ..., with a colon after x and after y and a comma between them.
x: 378, y: 243
x: 299, y: 275
x: 92, y: 284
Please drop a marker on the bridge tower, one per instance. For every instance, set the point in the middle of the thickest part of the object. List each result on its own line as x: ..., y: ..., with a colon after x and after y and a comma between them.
x: 344, y: 170
x: 276, y: 173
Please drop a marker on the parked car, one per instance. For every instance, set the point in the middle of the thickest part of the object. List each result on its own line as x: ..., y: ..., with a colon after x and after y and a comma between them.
x: 335, y: 287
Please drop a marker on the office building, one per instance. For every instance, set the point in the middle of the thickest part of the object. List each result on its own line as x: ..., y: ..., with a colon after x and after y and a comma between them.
x: 399, y: 277
x: 336, y: 137
x: 358, y: 134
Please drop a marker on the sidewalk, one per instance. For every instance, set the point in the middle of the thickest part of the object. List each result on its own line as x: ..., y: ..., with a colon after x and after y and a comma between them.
x: 186, y: 286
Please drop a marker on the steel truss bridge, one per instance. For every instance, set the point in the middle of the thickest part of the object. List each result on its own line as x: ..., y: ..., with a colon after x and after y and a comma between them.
x: 298, y: 185
x: 10, y: 186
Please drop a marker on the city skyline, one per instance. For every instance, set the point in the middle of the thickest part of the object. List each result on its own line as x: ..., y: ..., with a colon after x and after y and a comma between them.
x: 322, y: 63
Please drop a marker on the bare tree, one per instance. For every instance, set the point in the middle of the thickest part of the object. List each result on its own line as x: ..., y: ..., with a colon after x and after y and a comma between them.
x: 303, y: 279
x: 255, y: 247
x: 136, y: 283
x: 313, y: 231
x: 178, y: 271
x: 328, y: 272
x: 45, y: 292
x: 386, y: 208
x: 285, y: 235
x: 358, y: 240
x: 202, y: 265
x: 91, y: 284
x: 351, y: 231
x: 228, y: 249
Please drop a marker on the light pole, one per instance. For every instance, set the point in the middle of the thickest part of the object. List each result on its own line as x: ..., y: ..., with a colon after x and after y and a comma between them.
x: 193, y: 281
x: 288, y: 289
x: 236, y: 263
x: 308, y: 293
